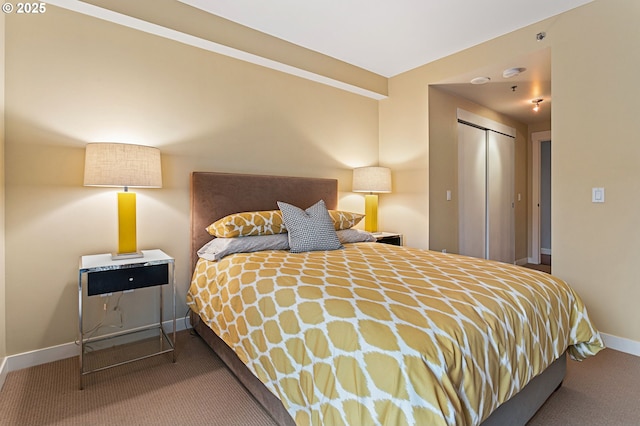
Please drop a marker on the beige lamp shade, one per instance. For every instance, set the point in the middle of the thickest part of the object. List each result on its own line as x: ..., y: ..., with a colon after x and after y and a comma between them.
x: 119, y: 164
x: 372, y: 179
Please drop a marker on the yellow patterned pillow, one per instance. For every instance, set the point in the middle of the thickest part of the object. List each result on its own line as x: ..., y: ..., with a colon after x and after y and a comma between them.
x: 344, y: 220
x: 268, y: 222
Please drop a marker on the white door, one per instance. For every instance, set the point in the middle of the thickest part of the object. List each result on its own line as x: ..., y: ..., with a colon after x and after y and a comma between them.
x: 500, y: 203
x: 472, y: 212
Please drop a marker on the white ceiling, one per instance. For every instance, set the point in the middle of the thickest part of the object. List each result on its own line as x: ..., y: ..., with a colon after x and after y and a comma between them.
x: 386, y: 37
x: 391, y: 37
x: 511, y: 96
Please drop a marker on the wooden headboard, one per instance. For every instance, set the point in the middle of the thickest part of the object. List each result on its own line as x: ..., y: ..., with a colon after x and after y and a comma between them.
x: 216, y: 195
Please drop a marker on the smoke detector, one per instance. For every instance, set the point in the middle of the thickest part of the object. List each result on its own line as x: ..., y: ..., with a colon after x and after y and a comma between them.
x: 512, y: 72
x: 480, y: 80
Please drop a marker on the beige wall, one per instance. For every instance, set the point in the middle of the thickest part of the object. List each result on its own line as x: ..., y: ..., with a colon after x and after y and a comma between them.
x: 443, y: 170
x: 594, y: 55
x: 72, y: 79
x: 595, y: 144
x: 3, y: 328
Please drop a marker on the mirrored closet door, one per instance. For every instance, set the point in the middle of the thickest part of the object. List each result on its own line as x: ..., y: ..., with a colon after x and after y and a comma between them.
x: 486, y: 187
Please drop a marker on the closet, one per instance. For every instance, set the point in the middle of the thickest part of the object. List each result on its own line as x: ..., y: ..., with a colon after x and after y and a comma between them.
x: 486, y: 225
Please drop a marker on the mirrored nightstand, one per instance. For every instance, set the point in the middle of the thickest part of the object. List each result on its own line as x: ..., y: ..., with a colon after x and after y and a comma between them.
x: 100, y: 276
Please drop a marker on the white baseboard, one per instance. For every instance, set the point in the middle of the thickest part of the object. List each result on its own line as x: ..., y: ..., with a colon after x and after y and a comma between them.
x: 56, y: 353
x: 3, y: 371
x: 521, y: 262
x: 545, y: 251
x: 621, y: 344
x: 41, y: 356
x: 181, y: 324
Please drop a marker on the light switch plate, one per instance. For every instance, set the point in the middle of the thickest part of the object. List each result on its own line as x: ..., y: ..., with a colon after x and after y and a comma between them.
x: 597, y: 195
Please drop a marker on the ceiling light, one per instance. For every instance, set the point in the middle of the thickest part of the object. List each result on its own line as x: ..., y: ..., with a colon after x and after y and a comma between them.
x: 537, y: 104
x: 480, y: 80
x: 512, y: 72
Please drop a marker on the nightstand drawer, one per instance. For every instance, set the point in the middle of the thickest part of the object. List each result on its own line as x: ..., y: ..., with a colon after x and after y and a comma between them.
x: 110, y: 281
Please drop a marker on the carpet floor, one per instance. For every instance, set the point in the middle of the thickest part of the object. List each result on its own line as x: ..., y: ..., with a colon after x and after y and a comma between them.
x: 196, y: 390
x: 199, y: 390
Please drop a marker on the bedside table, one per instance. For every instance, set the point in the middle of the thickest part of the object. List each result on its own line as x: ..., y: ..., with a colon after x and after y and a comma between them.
x: 99, y: 275
x: 388, y: 238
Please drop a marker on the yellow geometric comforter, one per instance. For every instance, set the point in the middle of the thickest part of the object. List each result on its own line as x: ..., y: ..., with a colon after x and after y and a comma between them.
x: 388, y: 335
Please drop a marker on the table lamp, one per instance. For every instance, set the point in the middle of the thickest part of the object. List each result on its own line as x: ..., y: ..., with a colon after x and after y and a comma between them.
x: 129, y: 166
x: 373, y: 180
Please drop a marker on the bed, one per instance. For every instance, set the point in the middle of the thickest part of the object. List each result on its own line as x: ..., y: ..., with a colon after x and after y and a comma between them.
x: 307, y: 368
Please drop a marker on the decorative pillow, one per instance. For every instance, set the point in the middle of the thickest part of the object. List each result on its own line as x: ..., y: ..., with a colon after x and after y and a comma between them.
x: 246, y: 224
x: 355, y: 236
x: 311, y: 229
x: 218, y: 248
x: 344, y: 220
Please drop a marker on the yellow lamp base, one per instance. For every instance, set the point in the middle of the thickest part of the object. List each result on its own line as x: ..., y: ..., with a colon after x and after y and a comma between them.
x: 127, y: 243
x: 371, y: 213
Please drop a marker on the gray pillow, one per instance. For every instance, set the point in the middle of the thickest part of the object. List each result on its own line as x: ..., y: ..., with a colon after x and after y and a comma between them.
x: 311, y: 229
x: 355, y: 236
x: 218, y: 248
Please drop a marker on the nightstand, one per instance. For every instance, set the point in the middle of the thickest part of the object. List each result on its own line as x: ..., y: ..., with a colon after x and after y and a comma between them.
x: 100, y: 276
x: 388, y: 238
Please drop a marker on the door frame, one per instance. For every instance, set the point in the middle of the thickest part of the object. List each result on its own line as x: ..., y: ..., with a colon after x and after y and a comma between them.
x: 536, y: 140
